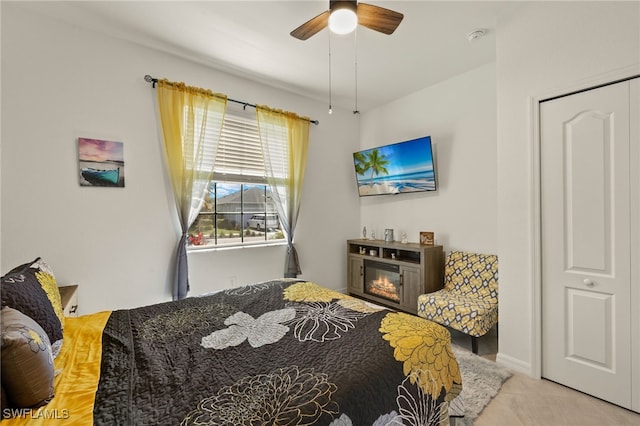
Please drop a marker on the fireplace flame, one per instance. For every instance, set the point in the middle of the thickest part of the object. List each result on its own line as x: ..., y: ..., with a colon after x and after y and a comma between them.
x: 382, y: 287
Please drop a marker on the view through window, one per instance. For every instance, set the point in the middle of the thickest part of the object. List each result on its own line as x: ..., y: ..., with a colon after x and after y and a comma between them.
x: 237, y: 208
x: 234, y: 214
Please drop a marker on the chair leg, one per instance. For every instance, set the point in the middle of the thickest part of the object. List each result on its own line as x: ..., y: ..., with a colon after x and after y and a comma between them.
x: 474, y: 345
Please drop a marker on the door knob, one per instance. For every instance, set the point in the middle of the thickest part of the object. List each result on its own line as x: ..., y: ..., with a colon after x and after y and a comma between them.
x: 588, y: 282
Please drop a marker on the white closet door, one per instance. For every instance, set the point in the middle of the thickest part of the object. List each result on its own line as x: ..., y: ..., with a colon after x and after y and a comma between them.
x: 586, y: 273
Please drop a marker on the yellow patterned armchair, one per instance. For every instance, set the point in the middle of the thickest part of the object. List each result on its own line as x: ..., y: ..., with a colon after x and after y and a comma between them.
x: 468, y: 301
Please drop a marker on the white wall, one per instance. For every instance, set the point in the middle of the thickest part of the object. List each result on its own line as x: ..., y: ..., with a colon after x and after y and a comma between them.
x: 460, y: 116
x: 544, y: 48
x: 60, y: 82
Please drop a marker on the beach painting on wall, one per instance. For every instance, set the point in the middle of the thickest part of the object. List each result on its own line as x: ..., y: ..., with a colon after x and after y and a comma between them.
x: 101, y: 163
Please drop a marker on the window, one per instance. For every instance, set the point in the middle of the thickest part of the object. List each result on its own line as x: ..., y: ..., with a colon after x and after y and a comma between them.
x: 237, y: 208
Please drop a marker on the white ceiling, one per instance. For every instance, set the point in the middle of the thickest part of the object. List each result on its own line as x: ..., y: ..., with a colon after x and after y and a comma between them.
x: 251, y: 39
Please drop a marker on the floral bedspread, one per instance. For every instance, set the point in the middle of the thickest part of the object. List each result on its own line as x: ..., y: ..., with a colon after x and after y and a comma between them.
x: 274, y: 353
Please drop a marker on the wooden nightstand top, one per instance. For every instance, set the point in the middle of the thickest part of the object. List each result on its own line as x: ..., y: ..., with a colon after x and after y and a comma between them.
x: 69, y: 299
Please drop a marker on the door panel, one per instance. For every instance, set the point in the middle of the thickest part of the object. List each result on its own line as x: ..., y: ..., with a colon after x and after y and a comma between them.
x: 589, y: 328
x: 412, y: 287
x: 585, y: 202
x: 356, y: 278
x: 587, y: 189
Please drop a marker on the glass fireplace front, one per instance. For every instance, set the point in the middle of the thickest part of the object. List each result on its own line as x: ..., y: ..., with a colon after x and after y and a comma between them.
x: 382, y: 280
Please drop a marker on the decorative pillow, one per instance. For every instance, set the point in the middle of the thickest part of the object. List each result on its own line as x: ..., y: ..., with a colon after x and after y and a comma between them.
x: 32, y: 289
x: 27, y: 361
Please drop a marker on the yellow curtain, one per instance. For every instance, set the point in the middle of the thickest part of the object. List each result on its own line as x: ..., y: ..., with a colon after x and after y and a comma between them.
x: 189, y: 115
x: 285, y: 178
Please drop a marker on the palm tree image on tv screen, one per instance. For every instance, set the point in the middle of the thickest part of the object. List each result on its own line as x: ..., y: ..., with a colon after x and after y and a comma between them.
x: 395, y: 169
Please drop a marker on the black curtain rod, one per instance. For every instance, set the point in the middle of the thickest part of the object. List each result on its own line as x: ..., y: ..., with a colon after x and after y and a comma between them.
x: 153, y: 82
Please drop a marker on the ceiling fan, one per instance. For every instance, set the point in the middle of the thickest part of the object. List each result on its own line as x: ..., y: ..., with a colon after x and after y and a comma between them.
x: 351, y: 13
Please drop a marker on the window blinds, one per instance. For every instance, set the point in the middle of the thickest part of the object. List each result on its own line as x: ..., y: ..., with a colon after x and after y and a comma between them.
x: 240, y: 157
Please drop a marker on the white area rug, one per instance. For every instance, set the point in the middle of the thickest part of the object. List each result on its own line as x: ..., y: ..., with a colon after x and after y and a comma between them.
x: 481, y: 381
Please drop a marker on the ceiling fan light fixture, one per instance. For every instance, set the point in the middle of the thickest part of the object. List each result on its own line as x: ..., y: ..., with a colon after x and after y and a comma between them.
x: 343, y: 20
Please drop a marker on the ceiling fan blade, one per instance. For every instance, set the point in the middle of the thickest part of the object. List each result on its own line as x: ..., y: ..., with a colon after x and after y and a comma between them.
x: 312, y: 26
x: 378, y: 18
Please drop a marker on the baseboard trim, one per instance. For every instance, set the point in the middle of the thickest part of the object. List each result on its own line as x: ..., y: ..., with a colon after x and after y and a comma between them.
x: 514, y: 364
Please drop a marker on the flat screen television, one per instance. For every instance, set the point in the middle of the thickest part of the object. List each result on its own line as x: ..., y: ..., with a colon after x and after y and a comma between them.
x: 396, y: 169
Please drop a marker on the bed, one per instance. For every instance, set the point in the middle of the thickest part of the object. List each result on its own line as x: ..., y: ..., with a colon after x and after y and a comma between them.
x: 285, y: 352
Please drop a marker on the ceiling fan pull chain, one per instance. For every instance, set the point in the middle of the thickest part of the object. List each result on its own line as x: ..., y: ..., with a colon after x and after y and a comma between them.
x: 355, y: 37
x: 330, y: 109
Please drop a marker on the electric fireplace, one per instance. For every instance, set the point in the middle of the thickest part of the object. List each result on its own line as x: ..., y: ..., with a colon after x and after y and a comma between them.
x: 393, y: 274
x: 382, y: 280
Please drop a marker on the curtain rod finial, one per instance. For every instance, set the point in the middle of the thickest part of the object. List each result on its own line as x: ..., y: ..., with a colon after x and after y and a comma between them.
x: 151, y: 80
